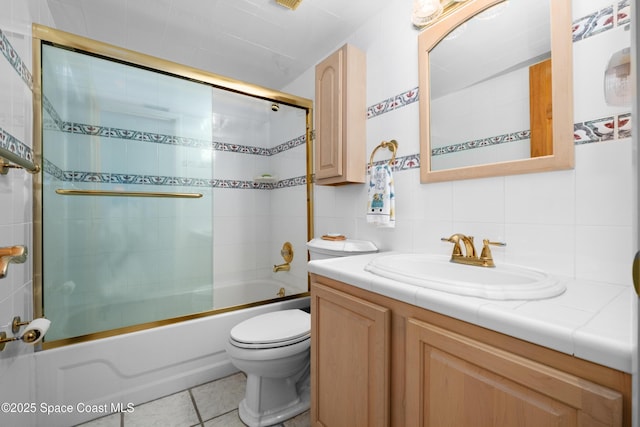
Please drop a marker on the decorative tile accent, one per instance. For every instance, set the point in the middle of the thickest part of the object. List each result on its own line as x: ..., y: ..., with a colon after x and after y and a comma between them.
x: 401, y: 163
x: 14, y: 60
x: 594, y: 131
x: 55, y: 123
x: 484, y: 142
x: 53, y: 118
x: 171, y: 181
x: 109, y: 132
x: 9, y: 142
x: 624, y: 125
x: 593, y: 24
x: 393, y: 103
x: 624, y: 12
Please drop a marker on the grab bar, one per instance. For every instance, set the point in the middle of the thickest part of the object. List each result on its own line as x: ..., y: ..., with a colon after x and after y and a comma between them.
x: 64, y: 192
x: 19, y: 162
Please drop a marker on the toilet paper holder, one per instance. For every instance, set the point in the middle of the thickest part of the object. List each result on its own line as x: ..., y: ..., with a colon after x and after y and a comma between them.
x: 32, y: 335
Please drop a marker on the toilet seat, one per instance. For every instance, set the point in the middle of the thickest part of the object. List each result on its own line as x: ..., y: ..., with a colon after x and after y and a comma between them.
x: 271, y: 330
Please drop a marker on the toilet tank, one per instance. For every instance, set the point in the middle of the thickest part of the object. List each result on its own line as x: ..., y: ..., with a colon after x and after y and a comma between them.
x: 323, y: 249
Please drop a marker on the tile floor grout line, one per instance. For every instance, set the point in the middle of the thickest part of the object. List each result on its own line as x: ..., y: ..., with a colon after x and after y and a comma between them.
x: 222, y: 415
x: 195, y: 406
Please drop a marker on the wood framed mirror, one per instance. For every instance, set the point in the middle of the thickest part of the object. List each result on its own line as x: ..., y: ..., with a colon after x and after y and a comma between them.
x: 496, y: 94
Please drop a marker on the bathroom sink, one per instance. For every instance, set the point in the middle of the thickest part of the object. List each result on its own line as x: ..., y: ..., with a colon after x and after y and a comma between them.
x: 503, y: 282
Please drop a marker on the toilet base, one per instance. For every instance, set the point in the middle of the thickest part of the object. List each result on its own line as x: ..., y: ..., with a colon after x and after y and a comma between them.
x: 280, y: 414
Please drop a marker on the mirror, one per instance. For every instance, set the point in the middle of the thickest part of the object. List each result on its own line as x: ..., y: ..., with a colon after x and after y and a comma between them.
x: 496, y: 96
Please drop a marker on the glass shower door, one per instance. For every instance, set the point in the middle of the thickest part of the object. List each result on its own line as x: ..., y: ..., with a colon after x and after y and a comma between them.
x: 127, y: 201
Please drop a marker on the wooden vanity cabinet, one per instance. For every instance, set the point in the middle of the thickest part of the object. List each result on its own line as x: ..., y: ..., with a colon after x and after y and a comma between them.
x: 350, y: 365
x: 444, y: 372
x: 340, y: 122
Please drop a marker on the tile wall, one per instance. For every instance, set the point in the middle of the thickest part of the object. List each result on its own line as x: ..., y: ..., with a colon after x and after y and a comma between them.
x: 17, y: 364
x: 576, y: 223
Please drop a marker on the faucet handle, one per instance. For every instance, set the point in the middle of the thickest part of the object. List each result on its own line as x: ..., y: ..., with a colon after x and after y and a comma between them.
x: 456, y: 244
x: 486, y: 251
x: 489, y: 242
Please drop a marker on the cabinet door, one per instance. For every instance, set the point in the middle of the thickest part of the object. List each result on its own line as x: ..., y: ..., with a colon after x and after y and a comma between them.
x: 349, y: 360
x: 457, y: 381
x: 329, y: 116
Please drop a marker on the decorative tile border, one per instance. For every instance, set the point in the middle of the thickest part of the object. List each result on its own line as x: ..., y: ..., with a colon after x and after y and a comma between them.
x: 14, y: 60
x: 404, y: 163
x: 393, y: 103
x: 7, y: 140
x: 604, y: 129
x: 484, y: 142
x: 610, y: 17
x: 171, y: 181
x: 11, y: 143
x: 57, y: 124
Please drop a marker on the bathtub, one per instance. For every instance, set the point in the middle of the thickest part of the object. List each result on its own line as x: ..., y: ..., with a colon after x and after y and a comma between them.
x: 81, y: 320
x: 145, y: 365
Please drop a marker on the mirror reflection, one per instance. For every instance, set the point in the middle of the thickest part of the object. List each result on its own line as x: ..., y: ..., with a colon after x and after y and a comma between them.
x: 486, y: 80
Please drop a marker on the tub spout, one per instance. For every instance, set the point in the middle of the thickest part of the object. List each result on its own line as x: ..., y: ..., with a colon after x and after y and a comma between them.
x: 281, y: 267
x: 14, y: 254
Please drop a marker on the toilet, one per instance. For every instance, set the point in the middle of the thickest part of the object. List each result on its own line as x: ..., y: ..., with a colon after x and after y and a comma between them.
x: 273, y: 350
x: 322, y: 249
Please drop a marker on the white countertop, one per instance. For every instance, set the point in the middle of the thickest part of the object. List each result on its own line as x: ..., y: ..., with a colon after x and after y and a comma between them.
x: 590, y: 320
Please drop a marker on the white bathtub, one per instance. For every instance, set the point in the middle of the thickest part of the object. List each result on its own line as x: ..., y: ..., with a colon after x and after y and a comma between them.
x: 145, y: 365
x: 84, y: 319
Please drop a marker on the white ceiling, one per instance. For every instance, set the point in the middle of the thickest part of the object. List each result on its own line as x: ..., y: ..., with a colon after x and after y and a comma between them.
x: 256, y: 41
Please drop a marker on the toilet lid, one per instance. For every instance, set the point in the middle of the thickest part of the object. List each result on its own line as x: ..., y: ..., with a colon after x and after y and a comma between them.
x: 273, y: 328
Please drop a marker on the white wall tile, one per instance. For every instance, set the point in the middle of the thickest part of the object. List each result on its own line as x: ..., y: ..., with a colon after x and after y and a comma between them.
x: 543, y: 198
x: 603, y: 174
x: 480, y: 200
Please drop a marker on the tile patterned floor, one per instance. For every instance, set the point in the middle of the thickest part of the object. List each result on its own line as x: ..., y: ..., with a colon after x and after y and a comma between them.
x: 213, y: 404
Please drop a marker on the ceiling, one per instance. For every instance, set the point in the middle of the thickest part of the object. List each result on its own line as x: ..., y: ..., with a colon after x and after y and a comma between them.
x: 256, y: 41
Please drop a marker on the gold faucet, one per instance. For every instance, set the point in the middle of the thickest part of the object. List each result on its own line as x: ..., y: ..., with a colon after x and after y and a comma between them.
x: 282, y: 267
x: 470, y: 258
x: 13, y: 254
x: 287, y: 253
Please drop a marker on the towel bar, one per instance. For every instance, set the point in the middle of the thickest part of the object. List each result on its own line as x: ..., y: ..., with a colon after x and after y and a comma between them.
x: 391, y: 145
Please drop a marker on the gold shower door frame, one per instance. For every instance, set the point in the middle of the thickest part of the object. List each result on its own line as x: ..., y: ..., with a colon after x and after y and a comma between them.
x: 42, y: 34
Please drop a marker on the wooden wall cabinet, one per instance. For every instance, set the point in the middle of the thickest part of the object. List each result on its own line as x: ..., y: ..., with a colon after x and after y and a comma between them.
x: 439, y: 371
x: 340, y: 122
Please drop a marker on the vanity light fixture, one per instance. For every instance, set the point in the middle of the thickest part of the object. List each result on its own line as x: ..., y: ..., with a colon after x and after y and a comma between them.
x: 426, y: 12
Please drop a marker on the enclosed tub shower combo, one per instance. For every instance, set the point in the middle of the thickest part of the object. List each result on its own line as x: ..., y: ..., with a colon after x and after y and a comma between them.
x: 165, y: 199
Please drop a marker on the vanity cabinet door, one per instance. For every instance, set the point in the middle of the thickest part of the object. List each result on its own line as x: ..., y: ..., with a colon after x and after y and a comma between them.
x: 350, y: 341
x: 341, y: 118
x: 458, y: 381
